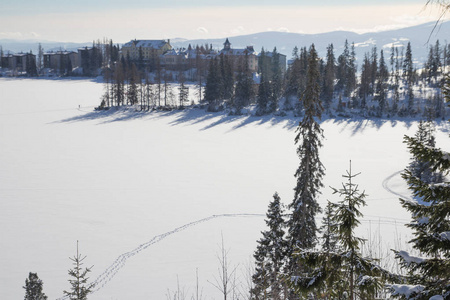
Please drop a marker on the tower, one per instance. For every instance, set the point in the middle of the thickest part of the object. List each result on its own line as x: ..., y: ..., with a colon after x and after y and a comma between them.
x: 227, y: 45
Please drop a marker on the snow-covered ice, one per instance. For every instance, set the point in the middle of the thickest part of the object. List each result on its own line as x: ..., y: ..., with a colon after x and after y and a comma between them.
x: 116, y: 180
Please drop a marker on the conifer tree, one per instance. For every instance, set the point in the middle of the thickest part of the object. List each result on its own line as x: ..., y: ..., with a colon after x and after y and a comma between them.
x: 343, y: 273
x: 183, y: 94
x: 214, y: 85
x: 329, y: 77
x: 33, y: 288
x: 431, y: 228
x: 226, y: 68
x: 244, y: 84
x: 419, y: 168
x: 132, y: 91
x: 292, y: 76
x: 276, y: 81
x: 381, y: 86
x: 302, y: 226
x: 270, y: 255
x: 264, y: 94
x: 329, y: 237
x: 80, y: 289
x: 430, y: 212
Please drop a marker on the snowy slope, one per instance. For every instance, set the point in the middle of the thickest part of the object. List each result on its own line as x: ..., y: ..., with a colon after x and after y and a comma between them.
x: 115, y: 180
x: 285, y: 41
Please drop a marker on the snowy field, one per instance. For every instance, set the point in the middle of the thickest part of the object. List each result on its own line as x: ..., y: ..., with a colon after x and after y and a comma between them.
x: 115, y: 180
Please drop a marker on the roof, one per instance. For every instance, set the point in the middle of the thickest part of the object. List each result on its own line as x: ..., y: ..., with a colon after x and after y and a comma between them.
x: 155, y: 44
x: 248, y: 50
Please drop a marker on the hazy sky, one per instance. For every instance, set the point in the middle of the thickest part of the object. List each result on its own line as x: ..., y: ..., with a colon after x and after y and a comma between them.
x: 86, y: 20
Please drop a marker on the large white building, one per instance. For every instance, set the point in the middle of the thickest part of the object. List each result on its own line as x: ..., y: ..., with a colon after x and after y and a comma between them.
x: 149, y: 49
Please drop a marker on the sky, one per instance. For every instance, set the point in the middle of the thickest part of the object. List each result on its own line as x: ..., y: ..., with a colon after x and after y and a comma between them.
x: 87, y: 20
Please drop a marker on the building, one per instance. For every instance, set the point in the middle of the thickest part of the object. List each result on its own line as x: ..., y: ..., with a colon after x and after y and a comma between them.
x: 237, y: 56
x: 59, y: 60
x: 19, y: 62
x: 281, y: 60
x: 145, y: 49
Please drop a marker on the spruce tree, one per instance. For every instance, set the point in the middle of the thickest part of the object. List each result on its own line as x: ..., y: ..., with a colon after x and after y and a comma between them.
x: 381, y: 85
x: 33, y: 288
x: 343, y: 273
x: 329, y: 77
x: 329, y: 237
x: 292, y: 76
x: 276, y: 81
x: 420, y: 168
x: 244, y: 84
x: 430, y: 211
x: 80, y: 289
x: 302, y: 226
x: 270, y: 255
x: 364, y: 89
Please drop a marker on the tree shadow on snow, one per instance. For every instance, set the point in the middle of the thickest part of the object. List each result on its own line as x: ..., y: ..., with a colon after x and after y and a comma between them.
x: 209, y: 120
x: 187, y: 116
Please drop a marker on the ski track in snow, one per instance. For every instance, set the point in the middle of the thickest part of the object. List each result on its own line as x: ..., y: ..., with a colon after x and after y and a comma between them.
x: 386, y: 186
x: 120, y: 261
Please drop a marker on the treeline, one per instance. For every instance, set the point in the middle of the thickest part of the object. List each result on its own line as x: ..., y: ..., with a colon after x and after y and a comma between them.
x: 125, y: 84
x: 382, y: 85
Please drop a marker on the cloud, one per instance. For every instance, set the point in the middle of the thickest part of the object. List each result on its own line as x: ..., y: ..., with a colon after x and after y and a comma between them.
x: 202, y: 30
x: 283, y: 29
x: 18, y: 35
x: 237, y: 30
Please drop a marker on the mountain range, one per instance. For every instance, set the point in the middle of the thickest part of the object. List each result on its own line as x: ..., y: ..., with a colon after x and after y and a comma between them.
x: 420, y: 36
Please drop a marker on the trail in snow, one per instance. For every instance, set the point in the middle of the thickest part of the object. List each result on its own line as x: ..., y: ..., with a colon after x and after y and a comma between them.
x: 119, y: 263
x: 386, y: 186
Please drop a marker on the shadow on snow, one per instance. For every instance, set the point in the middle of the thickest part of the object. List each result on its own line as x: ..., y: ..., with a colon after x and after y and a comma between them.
x: 196, y: 116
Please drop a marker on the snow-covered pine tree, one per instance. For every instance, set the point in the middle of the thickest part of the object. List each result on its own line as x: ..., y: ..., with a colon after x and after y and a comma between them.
x: 80, y: 289
x: 343, y: 273
x: 428, y: 276
x: 302, y: 229
x: 419, y: 168
x: 270, y: 255
x: 33, y: 288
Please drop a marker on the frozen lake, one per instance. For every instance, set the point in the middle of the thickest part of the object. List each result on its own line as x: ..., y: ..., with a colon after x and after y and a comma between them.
x: 114, y: 180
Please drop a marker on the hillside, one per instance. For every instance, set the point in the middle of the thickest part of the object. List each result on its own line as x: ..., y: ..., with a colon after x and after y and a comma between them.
x: 285, y: 41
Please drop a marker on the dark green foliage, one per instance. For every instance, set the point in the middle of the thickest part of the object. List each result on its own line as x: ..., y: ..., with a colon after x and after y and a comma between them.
x: 329, y: 77
x: 382, y: 85
x: 276, y: 81
x: 270, y: 255
x: 31, y: 65
x: 346, y: 70
x: 133, y: 80
x: 430, y: 223
x: 80, y: 288
x: 33, y: 288
x: 329, y: 237
x: 334, y: 274
x: 244, y: 85
x: 302, y: 225
x: 214, y: 85
x: 226, y: 69
x: 183, y: 94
